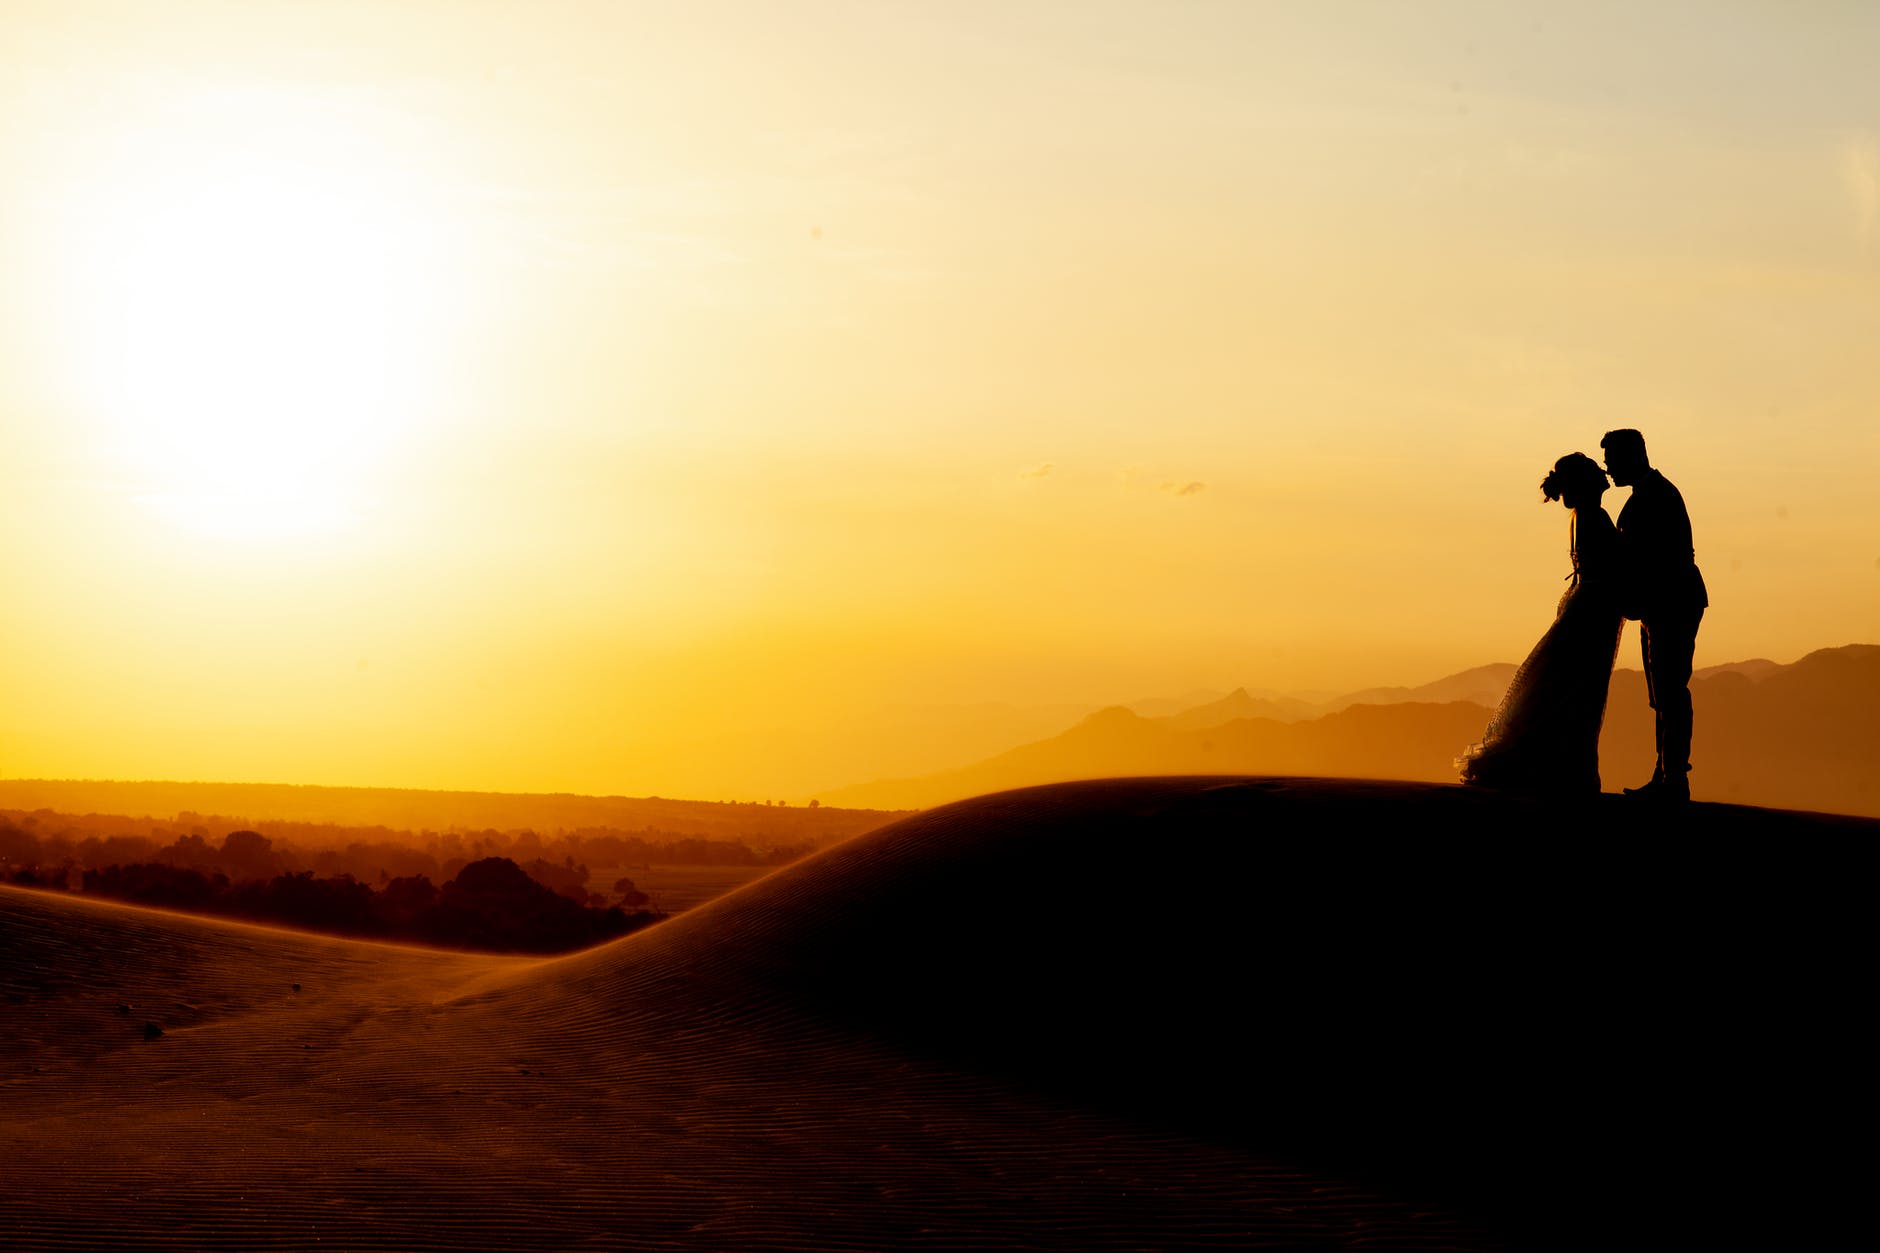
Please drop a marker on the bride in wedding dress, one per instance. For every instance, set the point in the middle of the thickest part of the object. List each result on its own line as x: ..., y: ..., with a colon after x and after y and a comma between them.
x: 1544, y: 736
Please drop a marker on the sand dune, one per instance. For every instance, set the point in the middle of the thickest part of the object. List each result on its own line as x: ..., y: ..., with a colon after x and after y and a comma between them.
x: 1357, y: 1016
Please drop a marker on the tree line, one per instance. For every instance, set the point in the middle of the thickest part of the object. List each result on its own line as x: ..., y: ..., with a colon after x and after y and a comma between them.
x: 369, y: 854
x: 492, y: 903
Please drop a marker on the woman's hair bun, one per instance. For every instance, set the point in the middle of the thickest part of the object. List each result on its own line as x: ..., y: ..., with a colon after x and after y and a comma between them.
x: 1576, y: 469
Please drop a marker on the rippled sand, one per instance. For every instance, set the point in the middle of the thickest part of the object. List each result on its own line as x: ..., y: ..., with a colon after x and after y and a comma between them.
x: 1168, y: 1013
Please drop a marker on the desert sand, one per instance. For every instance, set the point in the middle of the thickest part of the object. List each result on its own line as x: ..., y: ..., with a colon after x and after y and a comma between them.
x: 1158, y: 1013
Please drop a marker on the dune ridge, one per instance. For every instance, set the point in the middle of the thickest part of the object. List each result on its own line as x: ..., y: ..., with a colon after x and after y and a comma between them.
x: 950, y: 1032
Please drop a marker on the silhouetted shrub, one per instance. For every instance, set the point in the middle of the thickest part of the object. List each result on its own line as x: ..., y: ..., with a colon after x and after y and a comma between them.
x: 492, y: 904
x: 342, y: 904
x: 189, y: 850
x: 404, y: 902
x: 567, y: 878
x: 320, y: 875
x: 249, y: 855
x: 116, y: 850
x: 17, y: 845
x: 152, y: 883
x: 54, y: 878
x: 46, y: 839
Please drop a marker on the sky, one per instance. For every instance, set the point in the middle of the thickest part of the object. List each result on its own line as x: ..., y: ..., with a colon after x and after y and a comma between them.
x: 534, y: 396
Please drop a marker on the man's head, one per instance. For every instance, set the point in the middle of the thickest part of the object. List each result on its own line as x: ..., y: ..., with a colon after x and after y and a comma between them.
x: 1625, y: 456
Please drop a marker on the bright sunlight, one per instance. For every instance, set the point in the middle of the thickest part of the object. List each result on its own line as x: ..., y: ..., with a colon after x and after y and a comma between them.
x: 254, y: 297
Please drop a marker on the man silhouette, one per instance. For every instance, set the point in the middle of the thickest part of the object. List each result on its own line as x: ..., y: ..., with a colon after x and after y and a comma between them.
x: 1665, y: 592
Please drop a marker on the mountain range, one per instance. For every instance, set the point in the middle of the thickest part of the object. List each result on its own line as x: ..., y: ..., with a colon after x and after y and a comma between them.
x: 1804, y: 735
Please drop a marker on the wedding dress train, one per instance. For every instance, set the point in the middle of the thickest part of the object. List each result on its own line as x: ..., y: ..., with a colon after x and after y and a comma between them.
x: 1544, y: 736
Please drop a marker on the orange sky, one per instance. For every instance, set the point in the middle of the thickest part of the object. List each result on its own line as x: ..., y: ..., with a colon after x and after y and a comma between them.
x: 512, y: 396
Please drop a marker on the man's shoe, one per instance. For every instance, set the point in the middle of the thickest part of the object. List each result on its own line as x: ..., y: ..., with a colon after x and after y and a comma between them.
x: 1662, y: 791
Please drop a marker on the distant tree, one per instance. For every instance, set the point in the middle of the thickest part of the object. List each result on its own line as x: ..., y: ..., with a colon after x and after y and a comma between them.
x: 249, y: 855
x: 188, y: 850
x: 365, y: 859
x: 403, y: 904
x: 341, y: 904
x: 494, y: 903
x: 116, y: 850
x: 56, y: 878
x: 568, y: 879
x: 154, y: 883
x: 17, y: 844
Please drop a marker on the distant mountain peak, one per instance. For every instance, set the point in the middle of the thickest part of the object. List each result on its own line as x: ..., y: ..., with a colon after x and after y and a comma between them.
x: 1113, y: 716
x: 1800, y: 735
x: 1846, y: 652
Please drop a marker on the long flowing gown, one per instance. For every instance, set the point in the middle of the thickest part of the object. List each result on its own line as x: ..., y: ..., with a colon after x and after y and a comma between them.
x: 1544, y: 737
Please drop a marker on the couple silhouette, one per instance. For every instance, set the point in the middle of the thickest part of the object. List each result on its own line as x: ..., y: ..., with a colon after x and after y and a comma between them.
x: 1544, y: 736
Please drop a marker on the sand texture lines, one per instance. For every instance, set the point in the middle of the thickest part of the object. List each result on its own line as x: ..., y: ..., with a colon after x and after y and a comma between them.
x: 1169, y: 1013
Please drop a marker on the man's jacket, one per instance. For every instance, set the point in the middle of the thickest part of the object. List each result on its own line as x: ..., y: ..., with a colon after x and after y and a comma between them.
x: 1660, y: 562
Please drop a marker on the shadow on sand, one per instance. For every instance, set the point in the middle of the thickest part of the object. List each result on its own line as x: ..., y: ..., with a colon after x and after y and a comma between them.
x: 1128, y: 1014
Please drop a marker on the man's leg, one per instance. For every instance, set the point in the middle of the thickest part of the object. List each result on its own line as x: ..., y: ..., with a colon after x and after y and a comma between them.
x: 1669, y: 644
x: 1675, y: 684
x: 1651, y: 698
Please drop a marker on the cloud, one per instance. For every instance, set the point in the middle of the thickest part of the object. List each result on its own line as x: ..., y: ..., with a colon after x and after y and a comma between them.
x: 1860, y: 169
x: 1042, y: 471
x: 1138, y: 478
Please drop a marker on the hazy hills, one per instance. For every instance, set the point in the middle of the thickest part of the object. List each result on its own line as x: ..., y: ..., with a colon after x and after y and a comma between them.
x: 1805, y: 736
x: 1802, y: 735
x: 412, y: 809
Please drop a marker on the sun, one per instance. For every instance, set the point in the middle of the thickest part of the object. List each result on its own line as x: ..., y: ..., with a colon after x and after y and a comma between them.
x: 252, y: 300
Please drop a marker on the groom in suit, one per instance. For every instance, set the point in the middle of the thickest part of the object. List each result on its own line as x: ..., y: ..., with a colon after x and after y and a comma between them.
x: 1665, y: 592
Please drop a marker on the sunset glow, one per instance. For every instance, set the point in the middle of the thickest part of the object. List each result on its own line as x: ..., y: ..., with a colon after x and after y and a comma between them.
x: 624, y: 399
x: 249, y: 301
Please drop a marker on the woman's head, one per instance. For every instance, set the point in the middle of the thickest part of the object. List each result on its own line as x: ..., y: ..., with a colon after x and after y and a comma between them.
x: 1576, y: 479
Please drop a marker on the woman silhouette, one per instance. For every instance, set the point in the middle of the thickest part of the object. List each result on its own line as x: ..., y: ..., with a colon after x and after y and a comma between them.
x: 1544, y: 736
